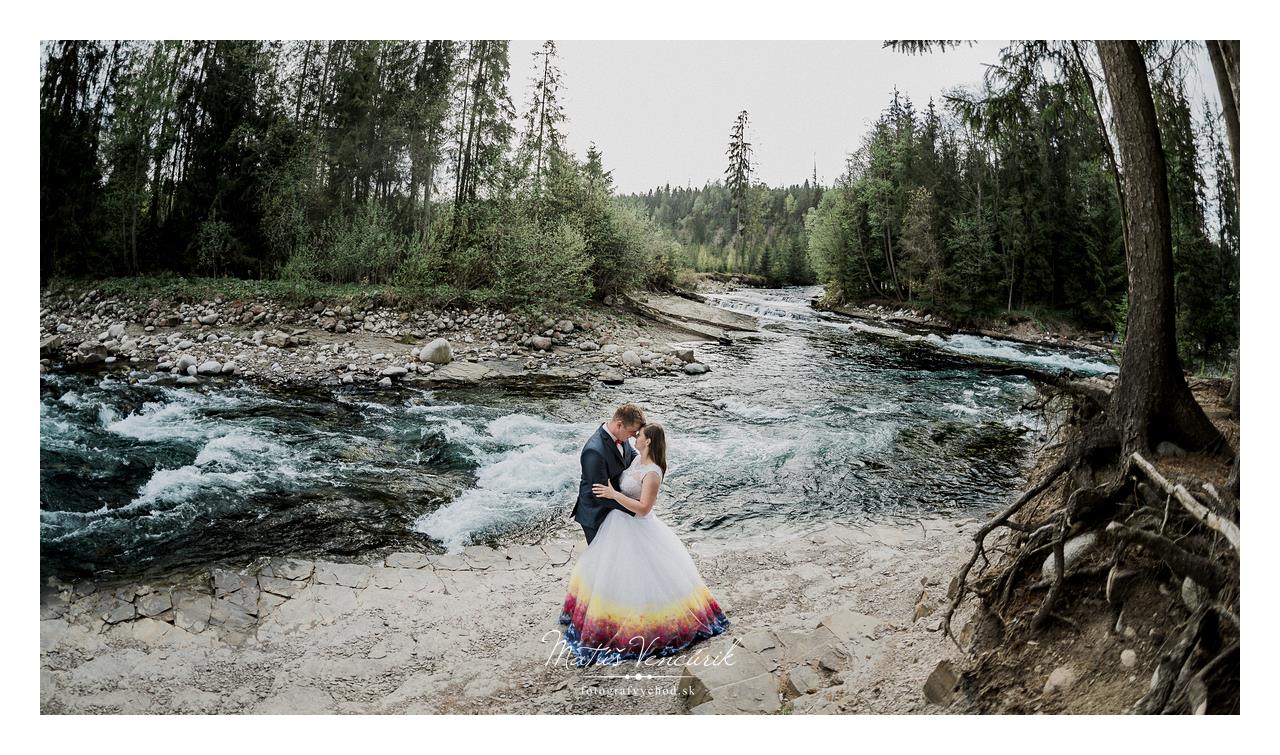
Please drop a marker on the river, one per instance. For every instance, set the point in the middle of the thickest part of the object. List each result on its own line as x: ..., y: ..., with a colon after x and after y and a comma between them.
x: 817, y: 418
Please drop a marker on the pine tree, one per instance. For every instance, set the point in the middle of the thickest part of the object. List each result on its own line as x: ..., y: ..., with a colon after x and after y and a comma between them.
x: 738, y: 182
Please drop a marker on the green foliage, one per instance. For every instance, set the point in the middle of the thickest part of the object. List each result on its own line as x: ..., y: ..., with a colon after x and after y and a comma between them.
x: 215, y: 247
x: 364, y: 249
x: 543, y: 264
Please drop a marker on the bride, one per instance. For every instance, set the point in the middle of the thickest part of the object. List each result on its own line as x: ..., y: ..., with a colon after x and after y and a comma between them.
x: 635, y: 592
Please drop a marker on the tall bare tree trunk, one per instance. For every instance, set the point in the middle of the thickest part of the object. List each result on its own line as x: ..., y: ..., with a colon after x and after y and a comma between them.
x: 1225, y: 57
x: 1151, y: 401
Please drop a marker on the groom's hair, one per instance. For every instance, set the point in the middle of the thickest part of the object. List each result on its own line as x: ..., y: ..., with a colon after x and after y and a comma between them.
x: 630, y: 414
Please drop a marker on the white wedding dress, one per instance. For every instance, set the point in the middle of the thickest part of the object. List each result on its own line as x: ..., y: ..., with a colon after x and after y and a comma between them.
x: 635, y: 592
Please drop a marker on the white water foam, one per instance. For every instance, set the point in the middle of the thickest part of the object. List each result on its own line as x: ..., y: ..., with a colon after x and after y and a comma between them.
x: 528, y: 468
x: 1011, y: 351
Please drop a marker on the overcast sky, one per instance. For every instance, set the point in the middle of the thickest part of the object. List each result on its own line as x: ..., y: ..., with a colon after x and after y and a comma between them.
x: 661, y: 111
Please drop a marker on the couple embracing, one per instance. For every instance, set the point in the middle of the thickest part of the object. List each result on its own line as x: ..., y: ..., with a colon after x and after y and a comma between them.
x: 634, y: 592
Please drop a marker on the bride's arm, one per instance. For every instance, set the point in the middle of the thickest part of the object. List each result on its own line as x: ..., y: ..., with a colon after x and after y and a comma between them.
x: 648, y: 494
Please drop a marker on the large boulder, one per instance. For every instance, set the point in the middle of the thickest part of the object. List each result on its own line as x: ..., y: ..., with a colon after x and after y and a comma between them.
x: 437, y: 352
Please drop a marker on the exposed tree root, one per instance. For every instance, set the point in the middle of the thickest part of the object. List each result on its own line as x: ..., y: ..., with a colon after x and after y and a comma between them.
x: 1176, y: 531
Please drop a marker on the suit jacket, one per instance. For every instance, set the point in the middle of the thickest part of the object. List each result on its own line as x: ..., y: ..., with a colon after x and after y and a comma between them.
x: 600, y: 464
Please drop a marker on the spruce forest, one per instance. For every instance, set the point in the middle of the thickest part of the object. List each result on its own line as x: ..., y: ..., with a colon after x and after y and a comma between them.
x: 409, y: 163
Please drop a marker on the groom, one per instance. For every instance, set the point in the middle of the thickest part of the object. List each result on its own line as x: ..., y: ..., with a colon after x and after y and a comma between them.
x: 604, y: 458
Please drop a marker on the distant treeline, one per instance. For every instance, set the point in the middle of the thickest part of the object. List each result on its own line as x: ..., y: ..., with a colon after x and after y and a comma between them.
x: 774, y: 242
x: 337, y: 161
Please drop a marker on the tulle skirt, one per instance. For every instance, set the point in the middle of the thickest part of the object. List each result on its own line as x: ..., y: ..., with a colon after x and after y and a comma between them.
x: 635, y: 593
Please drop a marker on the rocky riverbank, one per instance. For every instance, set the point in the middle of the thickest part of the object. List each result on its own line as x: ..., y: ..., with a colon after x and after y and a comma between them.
x: 838, y: 619
x: 377, y: 341
x: 1020, y: 328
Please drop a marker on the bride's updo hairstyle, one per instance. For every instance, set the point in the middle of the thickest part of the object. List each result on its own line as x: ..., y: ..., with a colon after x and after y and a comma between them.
x: 657, y: 444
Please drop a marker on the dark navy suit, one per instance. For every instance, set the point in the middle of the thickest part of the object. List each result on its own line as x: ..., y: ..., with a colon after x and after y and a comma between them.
x: 601, y: 464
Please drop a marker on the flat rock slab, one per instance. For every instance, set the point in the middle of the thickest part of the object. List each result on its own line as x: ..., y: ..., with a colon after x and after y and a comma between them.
x: 857, y: 632
x: 753, y: 695
x: 226, y: 581
x: 347, y: 575
x: 449, y: 562
x: 703, y: 681
x: 681, y: 308
x: 288, y: 568
x: 407, y: 561
x: 464, y: 372
x: 483, y: 557
x: 280, y: 586
x: 527, y: 556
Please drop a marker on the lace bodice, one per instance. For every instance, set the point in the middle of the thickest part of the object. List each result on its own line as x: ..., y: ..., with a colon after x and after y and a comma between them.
x: 633, y: 476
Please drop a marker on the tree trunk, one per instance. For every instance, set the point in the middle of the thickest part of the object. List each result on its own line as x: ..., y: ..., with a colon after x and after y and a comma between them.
x: 1225, y: 57
x: 1151, y: 400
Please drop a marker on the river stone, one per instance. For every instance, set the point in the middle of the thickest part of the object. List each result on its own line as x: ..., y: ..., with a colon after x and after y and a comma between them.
x: 229, y: 368
x: 695, y: 368
x: 395, y: 371
x: 437, y: 352
x: 1193, y: 595
x: 1072, y: 551
x: 118, y: 611
x: 210, y: 367
x: 684, y: 355
x: 589, y: 346
x: 802, y: 680
x: 565, y: 326
x: 924, y: 606
x: 940, y: 687
x: 155, y: 604
x: 115, y: 331
x: 1060, y: 679
x: 1128, y: 658
x: 541, y: 343
x: 385, y: 382
x: 209, y: 319
x: 631, y: 359
x: 188, y: 380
